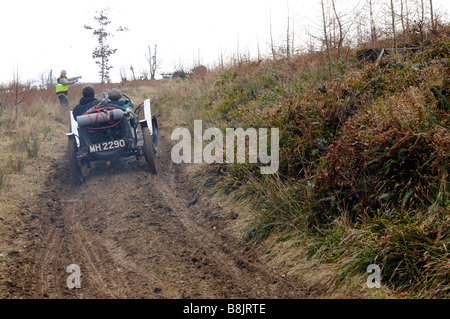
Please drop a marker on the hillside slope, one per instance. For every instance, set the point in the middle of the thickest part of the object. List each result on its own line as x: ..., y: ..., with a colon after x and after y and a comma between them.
x: 364, y: 160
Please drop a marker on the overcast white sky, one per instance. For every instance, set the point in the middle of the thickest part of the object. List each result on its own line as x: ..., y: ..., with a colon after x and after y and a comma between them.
x: 39, y: 36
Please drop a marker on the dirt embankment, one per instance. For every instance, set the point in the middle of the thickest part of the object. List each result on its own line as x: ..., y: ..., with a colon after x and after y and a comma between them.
x: 135, y: 235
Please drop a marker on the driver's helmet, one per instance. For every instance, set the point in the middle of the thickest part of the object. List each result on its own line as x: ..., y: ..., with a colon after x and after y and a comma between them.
x: 114, y: 95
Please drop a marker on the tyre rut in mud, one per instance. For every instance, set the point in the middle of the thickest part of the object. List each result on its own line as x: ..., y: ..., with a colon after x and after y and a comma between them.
x: 136, y: 235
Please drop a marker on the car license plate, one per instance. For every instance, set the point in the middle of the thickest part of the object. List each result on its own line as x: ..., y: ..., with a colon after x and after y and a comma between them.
x: 106, y: 146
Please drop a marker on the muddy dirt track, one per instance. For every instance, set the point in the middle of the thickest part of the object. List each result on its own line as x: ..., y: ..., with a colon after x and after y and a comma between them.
x: 136, y: 235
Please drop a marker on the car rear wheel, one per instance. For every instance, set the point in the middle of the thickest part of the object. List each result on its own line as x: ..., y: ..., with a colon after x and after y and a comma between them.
x: 75, y: 172
x: 149, y: 150
x: 155, y: 132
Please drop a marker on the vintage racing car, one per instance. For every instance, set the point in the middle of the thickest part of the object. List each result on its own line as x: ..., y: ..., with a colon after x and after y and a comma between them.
x: 106, y: 133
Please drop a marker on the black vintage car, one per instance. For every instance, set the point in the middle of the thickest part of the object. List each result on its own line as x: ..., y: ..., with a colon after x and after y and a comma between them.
x: 107, y: 133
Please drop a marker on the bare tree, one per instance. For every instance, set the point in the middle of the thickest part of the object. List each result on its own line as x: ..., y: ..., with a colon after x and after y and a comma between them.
x: 46, y: 80
x: 133, y: 75
x: 293, y: 37
x: 143, y: 74
x: 373, y: 31
x: 393, y: 24
x: 288, y: 41
x: 18, y: 90
x: 402, y: 17
x: 339, y: 24
x: 50, y: 79
x: 179, y: 70
x: 407, y: 15
x: 153, y: 61
x: 325, y: 34
x: 272, y: 47
x: 123, y: 75
x: 239, y: 57
x: 258, y: 50
x: 422, y: 11
x: 221, y: 62
x: 433, y: 24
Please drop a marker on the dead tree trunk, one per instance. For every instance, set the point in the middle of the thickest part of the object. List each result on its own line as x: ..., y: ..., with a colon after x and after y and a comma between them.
x: 393, y: 25
x: 325, y: 33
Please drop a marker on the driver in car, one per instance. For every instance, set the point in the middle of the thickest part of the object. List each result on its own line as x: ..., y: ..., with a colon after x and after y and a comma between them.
x: 86, y: 102
x: 115, y: 96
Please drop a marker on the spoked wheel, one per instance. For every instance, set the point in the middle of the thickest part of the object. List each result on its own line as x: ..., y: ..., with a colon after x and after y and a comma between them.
x: 75, y: 171
x: 149, y: 149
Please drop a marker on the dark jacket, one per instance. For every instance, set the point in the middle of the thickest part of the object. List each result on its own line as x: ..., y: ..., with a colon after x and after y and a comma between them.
x: 85, y: 104
x: 123, y: 105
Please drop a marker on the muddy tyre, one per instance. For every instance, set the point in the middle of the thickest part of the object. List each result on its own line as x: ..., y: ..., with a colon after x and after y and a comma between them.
x: 149, y: 150
x: 75, y: 173
x: 155, y: 132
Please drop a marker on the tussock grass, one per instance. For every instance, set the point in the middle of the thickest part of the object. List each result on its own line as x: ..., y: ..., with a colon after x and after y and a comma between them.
x: 3, y: 177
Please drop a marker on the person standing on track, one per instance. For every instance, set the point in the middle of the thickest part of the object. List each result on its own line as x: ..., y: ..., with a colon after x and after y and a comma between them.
x: 62, y: 87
